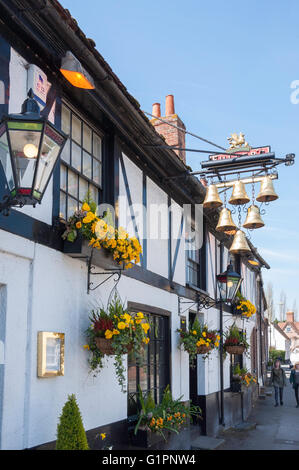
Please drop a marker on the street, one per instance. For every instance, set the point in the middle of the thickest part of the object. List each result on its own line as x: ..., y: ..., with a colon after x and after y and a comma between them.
x: 276, y: 428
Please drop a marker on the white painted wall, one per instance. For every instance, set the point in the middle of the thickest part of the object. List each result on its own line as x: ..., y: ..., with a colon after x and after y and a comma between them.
x: 157, y: 229
x: 278, y: 341
x: 53, y: 298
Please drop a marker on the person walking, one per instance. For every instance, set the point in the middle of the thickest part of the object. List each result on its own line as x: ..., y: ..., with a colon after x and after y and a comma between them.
x: 294, y: 379
x: 278, y: 380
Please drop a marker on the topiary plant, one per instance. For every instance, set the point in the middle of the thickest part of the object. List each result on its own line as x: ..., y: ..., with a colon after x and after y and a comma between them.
x: 70, y: 430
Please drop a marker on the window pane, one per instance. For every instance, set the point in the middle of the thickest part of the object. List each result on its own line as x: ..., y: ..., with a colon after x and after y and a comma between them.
x: 83, y: 188
x: 97, y: 147
x: 72, y: 206
x: 94, y: 193
x: 72, y: 183
x: 96, y: 171
x: 65, y: 119
x: 86, y: 165
x: 63, y: 177
x: 87, y: 134
x: 76, y: 156
x: 5, y: 158
x: 62, y: 213
x: 25, y: 161
x: 76, y: 129
x: 66, y: 152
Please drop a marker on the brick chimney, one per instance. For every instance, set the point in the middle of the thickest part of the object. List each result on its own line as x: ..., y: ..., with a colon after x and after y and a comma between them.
x: 173, y: 136
x: 290, y: 317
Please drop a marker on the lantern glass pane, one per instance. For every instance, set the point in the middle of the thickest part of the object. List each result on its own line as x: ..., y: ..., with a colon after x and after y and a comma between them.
x: 50, y: 149
x: 5, y: 157
x: 24, y: 140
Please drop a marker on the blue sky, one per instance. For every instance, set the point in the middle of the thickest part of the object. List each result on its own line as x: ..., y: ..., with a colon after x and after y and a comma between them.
x: 230, y: 66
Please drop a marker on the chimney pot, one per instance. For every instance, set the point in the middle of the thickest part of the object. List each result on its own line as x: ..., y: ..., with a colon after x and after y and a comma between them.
x: 156, y: 110
x: 169, y: 105
x: 290, y: 317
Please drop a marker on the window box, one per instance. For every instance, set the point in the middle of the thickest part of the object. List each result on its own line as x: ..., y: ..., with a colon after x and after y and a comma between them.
x: 102, y: 258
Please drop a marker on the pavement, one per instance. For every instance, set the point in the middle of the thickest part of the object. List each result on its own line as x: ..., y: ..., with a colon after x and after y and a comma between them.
x: 276, y: 428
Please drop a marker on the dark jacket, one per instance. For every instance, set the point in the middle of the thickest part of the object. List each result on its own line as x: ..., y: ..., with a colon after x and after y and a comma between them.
x: 292, y: 378
x: 278, y: 377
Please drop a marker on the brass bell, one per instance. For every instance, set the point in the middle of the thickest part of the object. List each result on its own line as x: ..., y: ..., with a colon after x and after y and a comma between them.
x: 267, y: 192
x: 253, y: 219
x: 212, y: 199
x: 240, y: 245
x: 239, y: 195
x: 225, y: 222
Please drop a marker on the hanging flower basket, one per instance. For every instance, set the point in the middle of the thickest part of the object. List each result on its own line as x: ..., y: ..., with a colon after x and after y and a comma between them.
x: 105, y: 346
x: 235, y: 349
x: 203, y: 349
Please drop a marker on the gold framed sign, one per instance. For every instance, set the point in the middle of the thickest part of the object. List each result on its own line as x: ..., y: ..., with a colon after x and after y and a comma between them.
x: 50, y: 354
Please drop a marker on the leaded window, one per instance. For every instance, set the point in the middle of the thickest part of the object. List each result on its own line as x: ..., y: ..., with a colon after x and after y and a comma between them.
x: 81, y: 162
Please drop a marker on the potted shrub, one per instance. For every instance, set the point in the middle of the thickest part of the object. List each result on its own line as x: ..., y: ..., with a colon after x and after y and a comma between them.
x: 100, y: 233
x: 198, y: 340
x: 235, y: 342
x: 156, y: 422
x: 115, y: 331
x: 70, y: 430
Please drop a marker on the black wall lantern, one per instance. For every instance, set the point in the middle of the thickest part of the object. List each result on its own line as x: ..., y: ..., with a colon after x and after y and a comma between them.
x: 29, y: 149
x: 228, y: 284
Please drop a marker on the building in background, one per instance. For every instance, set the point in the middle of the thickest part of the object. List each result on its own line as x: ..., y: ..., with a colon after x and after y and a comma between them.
x: 291, y: 329
x: 279, y: 340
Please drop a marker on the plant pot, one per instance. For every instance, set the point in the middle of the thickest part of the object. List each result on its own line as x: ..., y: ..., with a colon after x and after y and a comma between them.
x: 203, y: 349
x: 236, y: 387
x: 106, y: 347
x: 235, y: 349
x: 146, y: 438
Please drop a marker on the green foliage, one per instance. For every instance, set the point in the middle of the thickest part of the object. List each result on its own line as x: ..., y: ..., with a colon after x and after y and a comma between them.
x: 169, y: 415
x: 70, y: 430
x: 275, y: 354
x: 124, y: 330
x: 198, y: 335
x: 235, y: 337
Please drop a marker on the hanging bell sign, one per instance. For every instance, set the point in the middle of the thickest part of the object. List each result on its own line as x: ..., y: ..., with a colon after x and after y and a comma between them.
x: 253, y: 219
x: 225, y: 222
x: 240, y: 245
x: 239, y: 195
x: 267, y: 192
x: 212, y: 199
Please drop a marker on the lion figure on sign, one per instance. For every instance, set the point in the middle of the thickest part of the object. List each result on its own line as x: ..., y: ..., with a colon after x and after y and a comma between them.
x: 237, y: 140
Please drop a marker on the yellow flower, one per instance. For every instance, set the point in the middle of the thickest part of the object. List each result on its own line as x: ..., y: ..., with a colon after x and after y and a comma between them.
x: 127, y: 317
x: 145, y: 340
x: 145, y: 327
x: 103, y: 435
x: 194, y: 332
x: 115, y: 332
x: 85, y: 207
x: 204, y: 334
x: 108, y: 334
x: 218, y: 337
x: 137, y: 321
x: 78, y: 225
x: 140, y: 315
x: 86, y: 346
x: 216, y: 344
x: 121, y: 325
